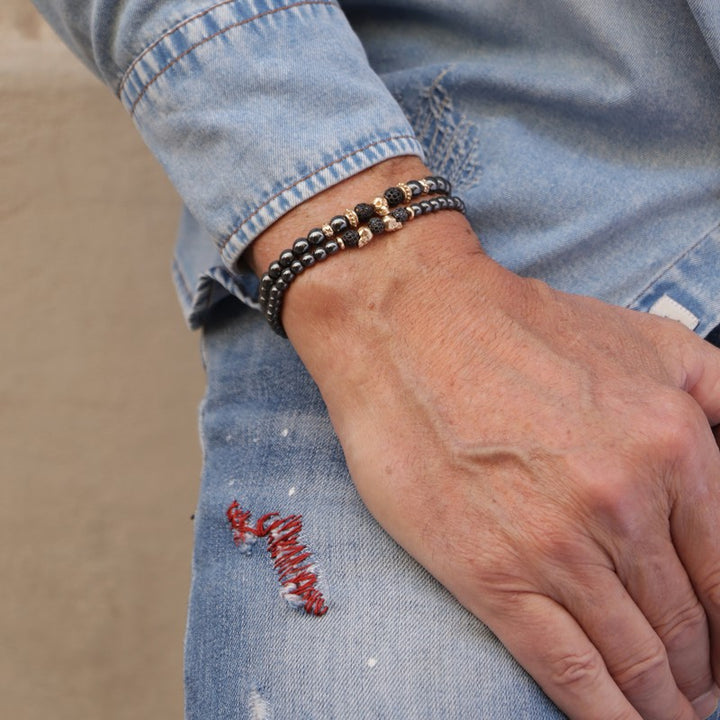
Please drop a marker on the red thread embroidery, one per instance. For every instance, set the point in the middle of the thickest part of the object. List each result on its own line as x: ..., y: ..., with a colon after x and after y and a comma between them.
x: 298, y: 580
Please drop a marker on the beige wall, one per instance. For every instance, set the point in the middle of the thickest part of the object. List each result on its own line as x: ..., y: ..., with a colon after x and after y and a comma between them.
x: 99, y: 383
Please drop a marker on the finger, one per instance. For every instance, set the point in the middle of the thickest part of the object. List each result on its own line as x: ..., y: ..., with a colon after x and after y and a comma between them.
x: 634, y: 655
x: 658, y: 583
x: 701, y: 361
x: 695, y: 530
x: 546, y: 640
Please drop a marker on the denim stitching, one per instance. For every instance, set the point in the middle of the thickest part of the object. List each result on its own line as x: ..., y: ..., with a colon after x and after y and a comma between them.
x: 223, y: 243
x: 167, y: 34
x: 669, y: 266
x: 216, y: 34
x: 297, y: 577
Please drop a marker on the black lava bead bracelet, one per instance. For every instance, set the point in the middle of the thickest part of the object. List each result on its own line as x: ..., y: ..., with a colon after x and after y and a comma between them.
x: 353, y: 229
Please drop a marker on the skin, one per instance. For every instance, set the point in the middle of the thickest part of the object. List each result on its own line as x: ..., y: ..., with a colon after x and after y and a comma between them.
x: 567, y: 442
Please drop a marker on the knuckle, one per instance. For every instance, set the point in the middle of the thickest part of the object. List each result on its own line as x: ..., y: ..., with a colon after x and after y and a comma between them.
x: 618, y: 502
x: 682, y: 626
x: 576, y: 671
x: 676, y: 425
x: 643, y: 673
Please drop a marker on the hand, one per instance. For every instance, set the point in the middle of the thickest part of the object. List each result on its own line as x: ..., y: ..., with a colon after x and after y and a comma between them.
x: 549, y: 458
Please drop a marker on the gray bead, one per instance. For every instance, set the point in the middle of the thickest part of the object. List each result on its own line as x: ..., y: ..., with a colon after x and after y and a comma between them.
x: 315, y: 236
x: 338, y: 224
x: 300, y: 247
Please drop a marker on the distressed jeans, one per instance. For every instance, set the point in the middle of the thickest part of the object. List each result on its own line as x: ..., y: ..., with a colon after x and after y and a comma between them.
x: 393, y: 643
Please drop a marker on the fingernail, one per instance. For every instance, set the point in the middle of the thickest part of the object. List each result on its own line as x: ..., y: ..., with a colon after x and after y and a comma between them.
x: 707, y: 704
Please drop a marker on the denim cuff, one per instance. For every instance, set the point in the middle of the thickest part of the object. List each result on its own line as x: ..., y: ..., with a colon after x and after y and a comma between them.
x: 254, y: 107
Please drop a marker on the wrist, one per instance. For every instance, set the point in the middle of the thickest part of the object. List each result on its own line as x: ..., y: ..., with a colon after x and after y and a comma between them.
x: 325, y: 299
x: 316, y: 210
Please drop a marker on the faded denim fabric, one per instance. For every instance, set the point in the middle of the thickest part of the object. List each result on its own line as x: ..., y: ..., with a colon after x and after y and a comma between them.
x: 583, y: 136
x: 252, y: 106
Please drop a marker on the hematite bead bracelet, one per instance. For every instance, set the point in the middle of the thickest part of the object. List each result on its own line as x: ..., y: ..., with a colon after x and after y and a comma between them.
x: 354, y: 228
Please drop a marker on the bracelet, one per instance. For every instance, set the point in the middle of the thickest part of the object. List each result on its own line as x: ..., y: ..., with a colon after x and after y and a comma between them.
x: 355, y: 228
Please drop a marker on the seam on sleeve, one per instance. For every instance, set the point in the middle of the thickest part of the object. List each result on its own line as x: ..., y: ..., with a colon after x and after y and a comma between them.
x: 167, y: 34
x: 223, y: 243
x: 200, y: 43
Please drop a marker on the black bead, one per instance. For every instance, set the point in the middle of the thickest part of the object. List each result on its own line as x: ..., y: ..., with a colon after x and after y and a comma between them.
x: 425, y: 205
x: 287, y: 275
x: 338, y: 224
x: 280, y: 284
x: 394, y: 196
x: 274, y: 270
x: 443, y: 203
x: 376, y: 225
x: 434, y: 204
x: 331, y: 247
x: 275, y: 293
x: 416, y: 209
x: 286, y: 257
x: 415, y: 187
x: 266, y: 282
x: 315, y: 236
x: 300, y: 247
x: 432, y: 185
x: 364, y: 211
x: 297, y: 267
x: 307, y: 260
x: 319, y: 254
x: 443, y: 185
x: 401, y: 214
x: 351, y: 238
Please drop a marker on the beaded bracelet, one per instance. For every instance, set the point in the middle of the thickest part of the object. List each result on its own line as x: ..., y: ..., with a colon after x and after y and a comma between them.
x: 355, y: 228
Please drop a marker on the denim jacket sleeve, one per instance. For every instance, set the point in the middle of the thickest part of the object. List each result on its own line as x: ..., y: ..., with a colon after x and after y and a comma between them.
x: 251, y: 106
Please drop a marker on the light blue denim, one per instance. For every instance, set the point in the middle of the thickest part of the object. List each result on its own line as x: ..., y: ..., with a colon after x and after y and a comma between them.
x: 584, y: 137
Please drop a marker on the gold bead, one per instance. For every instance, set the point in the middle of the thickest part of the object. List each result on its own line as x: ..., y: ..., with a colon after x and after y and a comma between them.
x: 381, y: 206
x: 391, y: 224
x: 327, y: 231
x: 352, y: 218
x: 340, y: 242
x: 407, y: 192
x: 424, y: 186
x: 410, y: 212
x: 365, y: 236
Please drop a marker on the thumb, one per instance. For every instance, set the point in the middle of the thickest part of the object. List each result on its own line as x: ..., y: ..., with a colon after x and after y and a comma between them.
x: 701, y: 363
